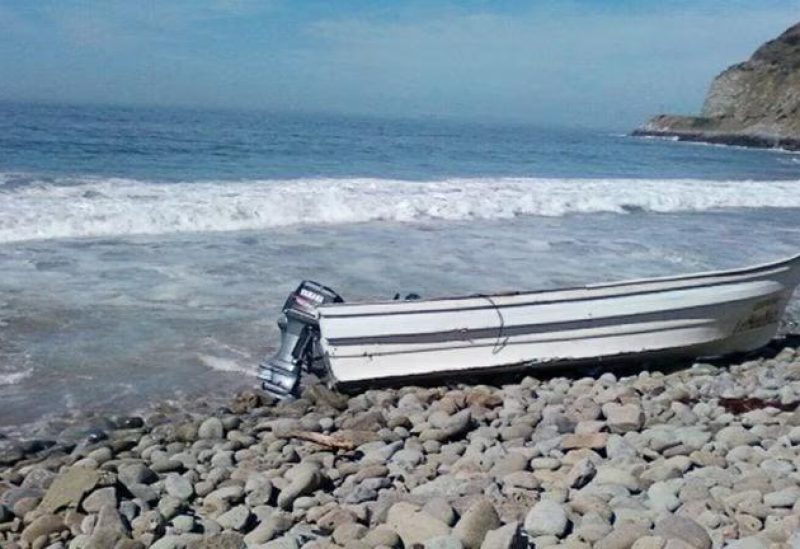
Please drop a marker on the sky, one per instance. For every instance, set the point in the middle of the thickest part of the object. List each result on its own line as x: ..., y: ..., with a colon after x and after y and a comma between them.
x: 597, y: 63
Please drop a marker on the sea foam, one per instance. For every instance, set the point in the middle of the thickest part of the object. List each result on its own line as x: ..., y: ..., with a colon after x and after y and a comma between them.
x: 102, y: 207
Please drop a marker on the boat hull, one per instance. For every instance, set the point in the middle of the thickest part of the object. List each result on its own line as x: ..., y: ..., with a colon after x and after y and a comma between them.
x: 705, y: 314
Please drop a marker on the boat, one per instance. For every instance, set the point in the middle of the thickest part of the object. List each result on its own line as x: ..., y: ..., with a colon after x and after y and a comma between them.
x: 691, y: 316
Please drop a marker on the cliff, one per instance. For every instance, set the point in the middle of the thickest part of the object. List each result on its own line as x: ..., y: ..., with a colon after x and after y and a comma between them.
x: 755, y: 103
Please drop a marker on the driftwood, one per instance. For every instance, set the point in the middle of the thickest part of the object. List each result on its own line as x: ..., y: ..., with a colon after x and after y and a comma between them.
x: 340, y: 440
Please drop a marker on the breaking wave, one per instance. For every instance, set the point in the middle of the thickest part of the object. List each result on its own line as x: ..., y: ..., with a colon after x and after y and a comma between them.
x: 33, y: 208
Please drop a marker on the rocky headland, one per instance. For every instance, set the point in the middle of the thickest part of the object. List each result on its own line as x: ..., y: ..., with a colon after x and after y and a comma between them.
x: 701, y: 456
x: 753, y: 104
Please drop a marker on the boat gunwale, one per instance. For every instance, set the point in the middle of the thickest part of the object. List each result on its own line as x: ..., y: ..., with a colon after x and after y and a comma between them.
x: 337, y: 310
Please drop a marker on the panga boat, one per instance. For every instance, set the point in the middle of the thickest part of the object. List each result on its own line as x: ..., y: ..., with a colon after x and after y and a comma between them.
x: 677, y: 317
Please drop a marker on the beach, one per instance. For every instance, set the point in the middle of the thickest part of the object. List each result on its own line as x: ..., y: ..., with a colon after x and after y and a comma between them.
x: 146, y: 254
x: 694, y: 455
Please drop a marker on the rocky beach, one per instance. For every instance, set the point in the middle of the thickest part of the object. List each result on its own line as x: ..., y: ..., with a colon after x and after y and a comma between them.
x: 702, y: 455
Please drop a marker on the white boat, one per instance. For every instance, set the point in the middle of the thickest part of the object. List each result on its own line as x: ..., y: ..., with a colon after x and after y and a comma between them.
x: 696, y: 315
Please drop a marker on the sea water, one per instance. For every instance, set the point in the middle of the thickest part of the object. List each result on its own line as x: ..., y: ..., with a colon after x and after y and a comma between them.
x: 145, y: 252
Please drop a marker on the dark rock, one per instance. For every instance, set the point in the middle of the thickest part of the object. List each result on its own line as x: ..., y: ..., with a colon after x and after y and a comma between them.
x: 10, y: 452
x: 35, y: 446
x: 128, y: 422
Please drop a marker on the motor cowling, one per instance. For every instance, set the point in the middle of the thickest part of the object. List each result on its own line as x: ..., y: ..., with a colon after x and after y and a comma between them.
x: 299, y: 326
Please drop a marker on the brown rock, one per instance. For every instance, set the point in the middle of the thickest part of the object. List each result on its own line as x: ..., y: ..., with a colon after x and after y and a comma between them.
x: 69, y: 488
x: 594, y: 441
x: 42, y: 526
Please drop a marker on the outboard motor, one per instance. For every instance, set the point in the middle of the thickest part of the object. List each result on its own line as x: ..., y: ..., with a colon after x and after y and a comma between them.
x: 299, y: 325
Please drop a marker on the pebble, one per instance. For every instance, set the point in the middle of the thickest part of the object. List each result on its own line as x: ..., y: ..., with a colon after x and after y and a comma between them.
x: 414, y: 526
x: 546, y: 518
x: 622, y: 418
x: 685, y: 529
x: 477, y: 520
x: 99, y: 499
x: 304, y: 479
x: 443, y: 542
x: 211, y: 428
x: 178, y: 487
x: 235, y: 519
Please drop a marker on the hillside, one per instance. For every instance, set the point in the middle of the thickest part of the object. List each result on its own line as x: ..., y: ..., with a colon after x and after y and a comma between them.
x: 755, y: 103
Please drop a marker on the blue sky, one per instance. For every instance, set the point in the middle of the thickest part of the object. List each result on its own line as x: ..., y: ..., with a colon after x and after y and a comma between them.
x: 568, y: 62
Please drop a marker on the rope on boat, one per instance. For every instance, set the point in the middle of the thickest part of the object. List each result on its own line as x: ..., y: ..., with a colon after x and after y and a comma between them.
x: 501, y: 341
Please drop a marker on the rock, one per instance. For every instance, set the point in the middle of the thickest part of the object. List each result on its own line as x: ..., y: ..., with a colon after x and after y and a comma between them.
x: 10, y: 452
x: 5, y: 514
x: 23, y: 506
x: 414, y: 526
x: 305, y: 478
x: 511, y: 463
x: 592, y: 527
x: 178, y: 487
x: 623, y: 536
x: 505, y: 537
x: 69, y: 488
x: 750, y: 542
x: 546, y: 518
x: 349, y: 532
x: 274, y: 525
x: 517, y: 431
x: 736, y: 435
x: 109, y: 519
x: 649, y: 542
x: 595, y: 441
x: 613, y: 475
x: 100, y: 498
x: 477, y: 520
x: 439, y: 508
x: 451, y: 429
x: 235, y: 519
x: 323, y: 395
x: 783, y: 498
x: 136, y: 473
x: 383, y: 536
x: 221, y: 540
x: 521, y: 479
x: 407, y: 458
x: 683, y: 528
x: 38, y: 479
x: 211, y: 429
x: 443, y: 542
x: 662, y: 497
x: 622, y: 418
x: 43, y: 526
x: 449, y: 486
x: 581, y: 474
x: 183, y: 524
x: 167, y: 466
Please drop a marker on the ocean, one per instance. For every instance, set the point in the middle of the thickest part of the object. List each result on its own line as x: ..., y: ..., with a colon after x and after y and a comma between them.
x: 145, y: 252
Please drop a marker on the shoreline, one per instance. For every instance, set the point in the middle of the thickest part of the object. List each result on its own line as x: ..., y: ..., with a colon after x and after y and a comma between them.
x: 702, y: 454
x: 731, y: 139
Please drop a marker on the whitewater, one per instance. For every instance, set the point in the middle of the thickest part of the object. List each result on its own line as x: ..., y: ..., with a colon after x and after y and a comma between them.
x: 80, y: 207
